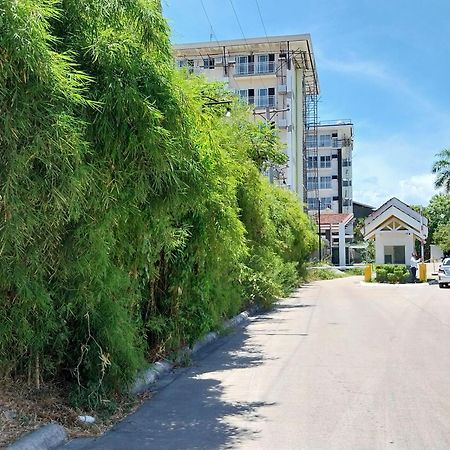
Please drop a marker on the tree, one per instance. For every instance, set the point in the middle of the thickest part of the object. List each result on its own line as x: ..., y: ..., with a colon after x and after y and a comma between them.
x: 442, y: 170
x: 438, y: 215
x: 442, y: 237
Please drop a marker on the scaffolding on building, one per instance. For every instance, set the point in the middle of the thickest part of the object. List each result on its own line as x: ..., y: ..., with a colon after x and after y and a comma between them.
x: 310, y: 138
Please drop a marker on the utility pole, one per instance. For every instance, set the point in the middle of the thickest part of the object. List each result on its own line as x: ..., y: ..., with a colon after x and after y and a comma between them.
x: 422, y: 241
x: 268, y: 115
x: 320, y: 238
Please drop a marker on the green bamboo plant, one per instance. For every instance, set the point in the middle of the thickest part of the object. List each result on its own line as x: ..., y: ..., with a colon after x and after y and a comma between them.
x: 133, y: 218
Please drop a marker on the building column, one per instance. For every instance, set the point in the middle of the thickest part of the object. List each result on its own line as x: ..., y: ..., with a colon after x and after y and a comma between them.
x: 379, y: 248
x: 342, y: 260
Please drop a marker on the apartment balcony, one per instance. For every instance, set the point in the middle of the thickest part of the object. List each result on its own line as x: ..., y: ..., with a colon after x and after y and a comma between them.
x: 252, y: 69
x: 263, y: 101
x: 329, y: 143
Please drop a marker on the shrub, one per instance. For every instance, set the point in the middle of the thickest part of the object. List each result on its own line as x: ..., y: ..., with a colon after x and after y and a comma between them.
x: 391, y: 273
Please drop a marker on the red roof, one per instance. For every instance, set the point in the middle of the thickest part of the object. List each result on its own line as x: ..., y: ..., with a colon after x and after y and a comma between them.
x: 334, y: 218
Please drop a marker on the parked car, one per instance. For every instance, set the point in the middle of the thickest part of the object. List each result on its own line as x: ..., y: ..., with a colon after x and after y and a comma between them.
x: 444, y: 273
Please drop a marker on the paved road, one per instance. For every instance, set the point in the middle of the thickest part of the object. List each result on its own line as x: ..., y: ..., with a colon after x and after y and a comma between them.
x: 340, y: 365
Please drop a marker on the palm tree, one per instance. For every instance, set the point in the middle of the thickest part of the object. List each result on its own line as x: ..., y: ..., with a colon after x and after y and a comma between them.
x: 442, y: 170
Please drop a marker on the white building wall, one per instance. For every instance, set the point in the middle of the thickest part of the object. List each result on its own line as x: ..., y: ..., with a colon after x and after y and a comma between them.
x: 390, y: 238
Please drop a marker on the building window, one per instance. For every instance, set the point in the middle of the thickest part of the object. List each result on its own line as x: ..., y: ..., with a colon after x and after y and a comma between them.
x: 312, y: 162
x: 311, y: 141
x: 325, y: 202
x: 245, y: 65
x: 312, y: 183
x: 186, y: 63
x: 266, y: 97
x: 325, y: 182
x: 346, y: 162
x: 346, y: 183
x: 247, y: 95
x: 325, y: 140
x: 325, y: 162
x: 208, y: 63
x: 266, y: 63
x: 313, y: 203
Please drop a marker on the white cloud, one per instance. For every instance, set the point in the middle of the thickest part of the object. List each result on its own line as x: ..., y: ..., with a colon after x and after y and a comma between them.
x: 387, y: 168
x: 417, y: 189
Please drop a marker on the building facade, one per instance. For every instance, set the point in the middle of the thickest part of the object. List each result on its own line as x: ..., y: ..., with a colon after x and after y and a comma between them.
x: 277, y: 77
x: 329, y: 167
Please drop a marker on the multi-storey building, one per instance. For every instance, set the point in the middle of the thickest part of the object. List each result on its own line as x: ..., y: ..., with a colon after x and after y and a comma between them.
x: 329, y: 186
x: 329, y: 167
x: 277, y: 77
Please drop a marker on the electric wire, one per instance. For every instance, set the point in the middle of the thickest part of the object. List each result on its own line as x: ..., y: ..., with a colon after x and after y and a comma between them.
x: 262, y: 20
x: 209, y: 21
x: 245, y: 40
x: 214, y: 33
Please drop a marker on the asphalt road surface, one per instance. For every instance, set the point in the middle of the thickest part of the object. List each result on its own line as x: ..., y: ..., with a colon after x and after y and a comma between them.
x: 340, y: 365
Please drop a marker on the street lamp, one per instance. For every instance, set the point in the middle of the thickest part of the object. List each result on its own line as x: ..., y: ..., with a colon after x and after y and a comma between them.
x: 214, y: 102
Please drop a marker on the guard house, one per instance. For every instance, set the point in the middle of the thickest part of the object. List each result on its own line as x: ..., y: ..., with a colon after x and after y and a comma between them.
x: 395, y: 227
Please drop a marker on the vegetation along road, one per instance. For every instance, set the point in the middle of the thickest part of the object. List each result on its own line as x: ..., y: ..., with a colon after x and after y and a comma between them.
x: 340, y: 365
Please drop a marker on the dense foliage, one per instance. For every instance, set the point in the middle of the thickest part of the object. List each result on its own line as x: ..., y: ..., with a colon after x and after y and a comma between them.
x: 133, y: 219
x: 438, y: 214
x: 441, y: 168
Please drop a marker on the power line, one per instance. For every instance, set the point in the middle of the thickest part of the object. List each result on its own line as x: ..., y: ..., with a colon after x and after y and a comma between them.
x: 238, y: 21
x: 245, y: 40
x: 213, y: 33
x: 262, y: 20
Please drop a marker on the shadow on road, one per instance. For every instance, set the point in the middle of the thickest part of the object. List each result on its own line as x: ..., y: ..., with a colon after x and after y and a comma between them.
x: 188, y: 410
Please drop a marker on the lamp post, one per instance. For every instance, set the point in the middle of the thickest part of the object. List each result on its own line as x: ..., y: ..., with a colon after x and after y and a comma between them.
x: 214, y: 102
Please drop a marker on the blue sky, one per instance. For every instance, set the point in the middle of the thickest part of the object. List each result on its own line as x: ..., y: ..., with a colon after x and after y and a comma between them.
x: 383, y: 64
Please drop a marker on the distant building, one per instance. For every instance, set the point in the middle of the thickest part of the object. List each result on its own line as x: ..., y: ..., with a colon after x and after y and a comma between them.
x: 329, y: 178
x: 275, y: 75
x: 334, y: 230
x: 361, y: 210
x: 329, y: 182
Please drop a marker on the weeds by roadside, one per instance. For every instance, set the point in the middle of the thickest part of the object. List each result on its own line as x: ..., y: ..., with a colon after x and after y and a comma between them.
x: 331, y: 273
x: 24, y: 409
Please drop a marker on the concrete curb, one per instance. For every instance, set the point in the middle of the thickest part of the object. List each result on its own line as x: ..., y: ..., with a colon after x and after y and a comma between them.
x: 44, y: 438
x: 147, y: 377
x: 53, y: 435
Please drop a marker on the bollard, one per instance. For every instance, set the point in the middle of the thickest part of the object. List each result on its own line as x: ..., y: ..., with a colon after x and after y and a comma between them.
x: 422, y: 272
x: 368, y: 273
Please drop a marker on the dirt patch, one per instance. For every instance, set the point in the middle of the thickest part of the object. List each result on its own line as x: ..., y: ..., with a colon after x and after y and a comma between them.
x: 23, y: 409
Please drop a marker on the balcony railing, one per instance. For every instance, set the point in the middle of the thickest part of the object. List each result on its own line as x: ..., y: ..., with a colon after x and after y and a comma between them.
x: 264, y: 101
x: 255, y: 68
x: 265, y: 67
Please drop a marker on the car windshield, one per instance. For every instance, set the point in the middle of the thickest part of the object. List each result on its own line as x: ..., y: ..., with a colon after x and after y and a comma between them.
x: 446, y: 262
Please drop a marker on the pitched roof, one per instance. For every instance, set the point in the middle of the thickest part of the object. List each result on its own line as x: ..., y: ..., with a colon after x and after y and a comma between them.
x: 394, y: 201
x: 335, y: 218
x: 415, y: 222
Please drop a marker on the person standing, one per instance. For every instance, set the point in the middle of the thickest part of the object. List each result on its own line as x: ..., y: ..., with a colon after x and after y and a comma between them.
x: 414, y: 264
